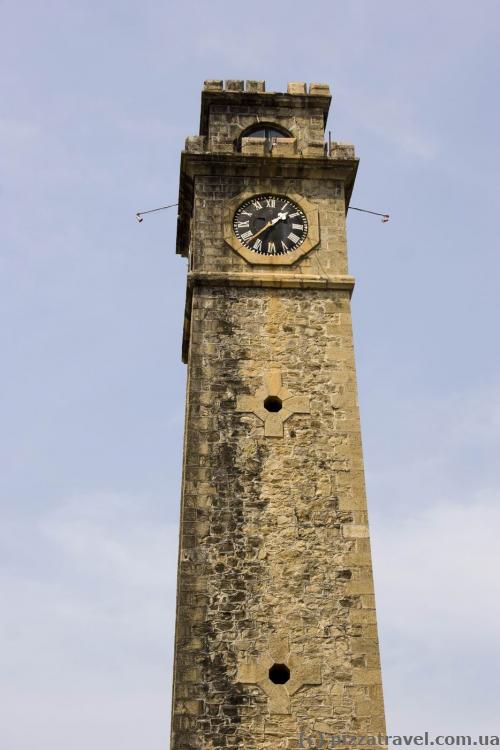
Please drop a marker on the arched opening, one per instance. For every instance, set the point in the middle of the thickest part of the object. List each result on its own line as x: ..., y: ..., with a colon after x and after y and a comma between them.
x: 267, y: 131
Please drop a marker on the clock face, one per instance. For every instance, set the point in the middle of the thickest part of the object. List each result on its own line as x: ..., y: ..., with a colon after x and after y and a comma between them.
x: 270, y: 224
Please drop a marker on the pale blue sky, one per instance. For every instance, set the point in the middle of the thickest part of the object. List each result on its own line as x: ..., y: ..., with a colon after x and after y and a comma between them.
x: 97, y: 98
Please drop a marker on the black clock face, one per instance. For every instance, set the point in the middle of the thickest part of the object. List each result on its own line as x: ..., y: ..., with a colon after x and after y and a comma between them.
x: 270, y: 224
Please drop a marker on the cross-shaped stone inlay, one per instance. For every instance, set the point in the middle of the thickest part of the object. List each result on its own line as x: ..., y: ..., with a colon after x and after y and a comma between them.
x: 256, y: 671
x: 273, y: 404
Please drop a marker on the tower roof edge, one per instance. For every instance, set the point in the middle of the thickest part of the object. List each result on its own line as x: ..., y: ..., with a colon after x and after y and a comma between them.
x: 214, y: 94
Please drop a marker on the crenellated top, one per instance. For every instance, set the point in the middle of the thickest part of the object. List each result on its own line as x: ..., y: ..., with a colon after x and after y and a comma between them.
x: 250, y: 136
x: 230, y: 111
x: 259, y: 87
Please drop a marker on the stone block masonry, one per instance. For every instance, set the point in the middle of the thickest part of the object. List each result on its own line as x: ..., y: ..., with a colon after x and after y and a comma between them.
x: 274, y: 533
x: 276, y: 627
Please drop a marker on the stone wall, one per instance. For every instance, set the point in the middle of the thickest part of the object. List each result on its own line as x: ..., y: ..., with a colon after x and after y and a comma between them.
x: 225, y: 127
x: 209, y: 251
x: 275, y: 560
x: 227, y: 111
x: 275, y: 565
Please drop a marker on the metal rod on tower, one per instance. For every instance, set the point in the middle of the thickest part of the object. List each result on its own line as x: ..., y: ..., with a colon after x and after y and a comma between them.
x: 385, y: 217
x: 140, y: 214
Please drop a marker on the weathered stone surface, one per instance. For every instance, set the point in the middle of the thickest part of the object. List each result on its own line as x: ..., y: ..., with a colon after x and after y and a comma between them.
x: 319, y: 89
x: 315, y: 148
x: 284, y: 147
x: 257, y: 87
x: 297, y: 87
x: 227, y: 123
x: 196, y: 143
x: 235, y: 85
x: 231, y: 112
x: 269, y: 565
x: 342, y: 150
x: 213, y: 85
x: 254, y: 146
x: 274, y: 564
x: 284, y: 402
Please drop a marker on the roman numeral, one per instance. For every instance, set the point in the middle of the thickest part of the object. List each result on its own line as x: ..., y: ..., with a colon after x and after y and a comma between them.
x: 284, y: 246
x: 297, y: 213
x: 294, y: 226
x: 246, y: 235
x: 293, y: 237
x: 257, y: 244
x: 271, y: 248
x: 245, y: 213
x: 247, y: 223
x: 257, y: 205
x: 271, y: 202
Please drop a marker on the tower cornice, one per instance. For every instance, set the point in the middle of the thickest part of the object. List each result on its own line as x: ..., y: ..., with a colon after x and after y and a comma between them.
x: 262, y: 280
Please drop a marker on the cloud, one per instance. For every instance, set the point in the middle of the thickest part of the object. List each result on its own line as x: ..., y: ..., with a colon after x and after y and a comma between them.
x: 436, y: 448
x: 17, y: 132
x: 87, y: 622
x: 438, y: 600
x: 436, y: 559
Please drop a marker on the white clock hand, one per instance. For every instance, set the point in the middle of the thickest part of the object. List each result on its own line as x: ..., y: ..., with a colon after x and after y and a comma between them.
x: 269, y: 224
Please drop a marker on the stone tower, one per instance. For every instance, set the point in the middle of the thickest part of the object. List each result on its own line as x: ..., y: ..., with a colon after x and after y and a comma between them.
x: 276, y: 637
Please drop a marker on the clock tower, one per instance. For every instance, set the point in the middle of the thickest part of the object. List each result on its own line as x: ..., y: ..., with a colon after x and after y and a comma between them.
x: 276, y: 638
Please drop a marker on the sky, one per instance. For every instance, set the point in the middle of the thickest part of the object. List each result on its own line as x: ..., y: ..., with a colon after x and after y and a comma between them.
x: 97, y: 99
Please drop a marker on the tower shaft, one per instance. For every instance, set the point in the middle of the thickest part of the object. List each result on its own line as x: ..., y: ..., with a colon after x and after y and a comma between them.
x: 276, y: 635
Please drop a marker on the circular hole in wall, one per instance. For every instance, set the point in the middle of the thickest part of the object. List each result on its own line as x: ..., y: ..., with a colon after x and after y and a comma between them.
x: 273, y: 403
x: 279, y: 674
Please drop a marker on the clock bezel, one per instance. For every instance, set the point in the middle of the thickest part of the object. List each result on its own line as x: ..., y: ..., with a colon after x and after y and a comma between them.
x: 257, y: 259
